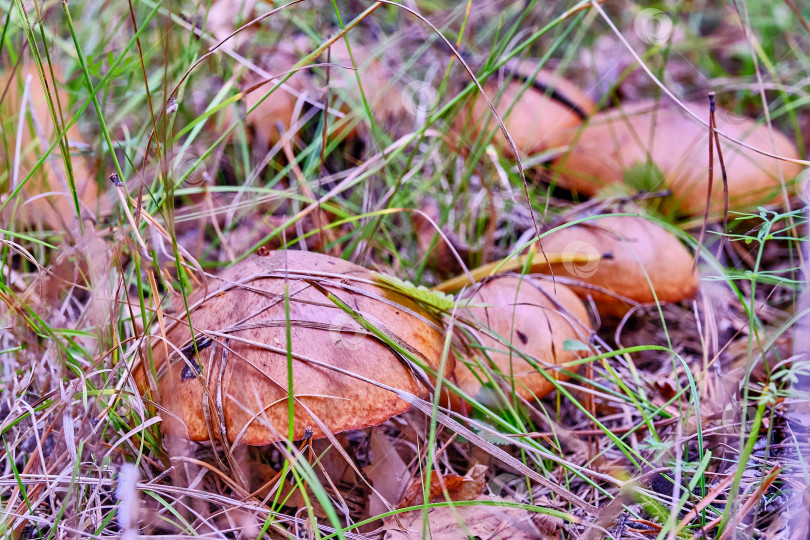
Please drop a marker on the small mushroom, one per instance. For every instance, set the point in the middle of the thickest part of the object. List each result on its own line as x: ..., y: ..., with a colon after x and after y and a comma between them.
x: 617, y: 146
x: 640, y: 261
x: 550, y: 104
x: 521, y: 314
x: 235, y: 384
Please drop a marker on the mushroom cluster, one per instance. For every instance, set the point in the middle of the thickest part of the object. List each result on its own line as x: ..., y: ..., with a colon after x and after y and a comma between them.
x: 224, y: 370
x: 638, y: 147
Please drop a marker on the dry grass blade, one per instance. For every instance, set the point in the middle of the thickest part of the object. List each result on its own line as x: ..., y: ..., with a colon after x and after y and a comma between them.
x: 497, y: 116
x: 753, y: 500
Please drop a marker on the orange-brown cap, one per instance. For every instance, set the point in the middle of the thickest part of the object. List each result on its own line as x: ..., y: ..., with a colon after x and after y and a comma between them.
x: 526, y: 315
x: 615, y: 141
x: 639, y: 258
x: 240, y: 329
x: 549, y: 105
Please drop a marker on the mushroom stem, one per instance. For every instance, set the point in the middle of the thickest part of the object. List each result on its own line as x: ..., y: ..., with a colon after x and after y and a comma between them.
x: 514, y: 264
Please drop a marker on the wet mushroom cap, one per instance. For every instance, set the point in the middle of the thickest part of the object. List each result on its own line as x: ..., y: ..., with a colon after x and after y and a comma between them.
x: 240, y: 329
x: 633, y: 249
x: 536, y: 318
x: 549, y: 105
x: 615, y: 146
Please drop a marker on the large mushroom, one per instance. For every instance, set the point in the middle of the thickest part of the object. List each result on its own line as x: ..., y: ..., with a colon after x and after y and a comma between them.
x: 521, y: 314
x: 233, y: 383
x: 634, y: 260
x: 656, y: 145
x: 549, y: 105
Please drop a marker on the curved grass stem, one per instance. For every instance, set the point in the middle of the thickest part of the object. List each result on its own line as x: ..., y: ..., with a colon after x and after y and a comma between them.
x: 515, y: 264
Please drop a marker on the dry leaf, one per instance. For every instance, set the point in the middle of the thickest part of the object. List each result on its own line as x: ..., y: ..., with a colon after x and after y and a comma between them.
x: 452, y: 486
x: 388, y: 473
x: 491, y: 522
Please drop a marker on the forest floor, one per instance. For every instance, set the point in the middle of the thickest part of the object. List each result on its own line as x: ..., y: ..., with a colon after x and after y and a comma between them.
x: 157, y: 157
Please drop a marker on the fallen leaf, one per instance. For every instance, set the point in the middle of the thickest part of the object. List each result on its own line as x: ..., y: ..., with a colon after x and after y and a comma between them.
x: 485, y: 521
x: 457, y: 488
x: 388, y: 473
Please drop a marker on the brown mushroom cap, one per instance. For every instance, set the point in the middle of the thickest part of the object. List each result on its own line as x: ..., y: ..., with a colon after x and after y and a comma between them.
x: 615, y: 141
x: 552, y: 104
x: 636, y: 248
x: 536, y: 319
x: 243, y: 314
